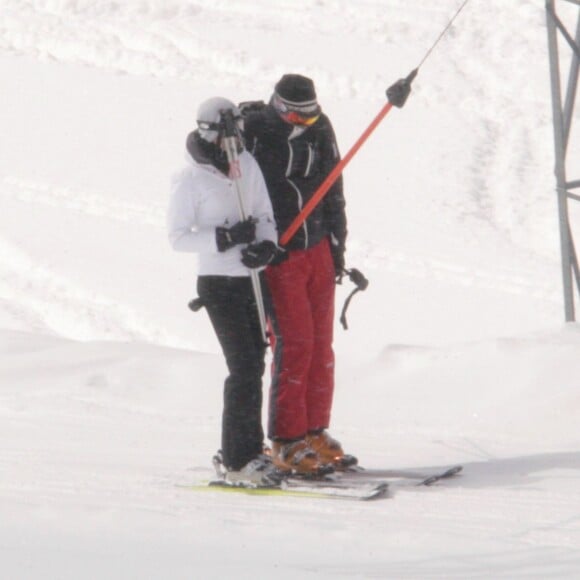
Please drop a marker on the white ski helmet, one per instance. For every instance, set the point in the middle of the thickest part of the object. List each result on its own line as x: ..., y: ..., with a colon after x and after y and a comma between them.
x: 208, y: 113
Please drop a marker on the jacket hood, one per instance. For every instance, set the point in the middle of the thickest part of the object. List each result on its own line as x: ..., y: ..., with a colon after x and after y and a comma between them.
x: 205, y: 153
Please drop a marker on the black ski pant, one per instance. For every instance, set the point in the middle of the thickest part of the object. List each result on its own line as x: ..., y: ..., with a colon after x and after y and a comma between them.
x: 231, y: 306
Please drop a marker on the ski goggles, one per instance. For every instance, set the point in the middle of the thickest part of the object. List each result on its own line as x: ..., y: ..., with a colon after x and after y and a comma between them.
x: 298, y: 119
x: 213, y: 126
x: 297, y: 113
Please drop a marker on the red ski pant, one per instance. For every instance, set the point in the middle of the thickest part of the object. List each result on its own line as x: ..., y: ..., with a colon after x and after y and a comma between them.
x: 302, y: 291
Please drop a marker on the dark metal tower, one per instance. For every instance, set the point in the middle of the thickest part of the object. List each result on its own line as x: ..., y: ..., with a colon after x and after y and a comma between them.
x: 563, y: 111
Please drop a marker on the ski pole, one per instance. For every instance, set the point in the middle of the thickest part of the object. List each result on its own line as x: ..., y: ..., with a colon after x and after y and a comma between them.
x: 397, y: 95
x: 235, y: 174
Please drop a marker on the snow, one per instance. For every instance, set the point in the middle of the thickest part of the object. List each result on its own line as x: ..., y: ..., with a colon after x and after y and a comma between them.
x: 110, y: 389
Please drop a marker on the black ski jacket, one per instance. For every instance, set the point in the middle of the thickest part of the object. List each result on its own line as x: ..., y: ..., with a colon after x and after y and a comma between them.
x: 295, y: 160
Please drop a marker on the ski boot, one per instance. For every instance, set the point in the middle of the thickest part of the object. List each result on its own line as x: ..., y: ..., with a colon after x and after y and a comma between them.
x: 298, y: 458
x: 329, y: 450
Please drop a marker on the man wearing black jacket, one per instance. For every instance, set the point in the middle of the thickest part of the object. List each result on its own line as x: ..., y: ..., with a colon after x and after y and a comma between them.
x: 295, y: 146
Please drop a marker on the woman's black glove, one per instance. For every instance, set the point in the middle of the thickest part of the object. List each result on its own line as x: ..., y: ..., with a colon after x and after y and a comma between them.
x: 241, y: 233
x: 258, y: 255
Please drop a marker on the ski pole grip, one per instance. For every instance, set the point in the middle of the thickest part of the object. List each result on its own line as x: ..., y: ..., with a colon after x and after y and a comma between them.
x: 227, y: 117
x: 358, y: 278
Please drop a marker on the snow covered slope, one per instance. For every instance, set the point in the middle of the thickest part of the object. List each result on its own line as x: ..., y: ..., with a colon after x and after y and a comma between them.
x: 110, y: 389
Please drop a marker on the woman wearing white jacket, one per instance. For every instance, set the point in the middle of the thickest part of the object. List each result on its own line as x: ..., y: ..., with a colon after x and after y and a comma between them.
x: 203, y: 217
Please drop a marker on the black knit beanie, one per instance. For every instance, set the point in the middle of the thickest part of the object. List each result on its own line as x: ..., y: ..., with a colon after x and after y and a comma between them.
x: 296, y: 89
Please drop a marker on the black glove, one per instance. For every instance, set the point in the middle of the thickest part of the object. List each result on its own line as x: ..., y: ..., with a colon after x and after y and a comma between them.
x: 280, y: 256
x: 247, y: 107
x: 337, y: 252
x: 258, y: 255
x: 240, y: 233
x: 399, y: 92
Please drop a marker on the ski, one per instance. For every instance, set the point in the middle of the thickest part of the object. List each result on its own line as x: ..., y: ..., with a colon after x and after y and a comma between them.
x: 451, y: 472
x: 415, y: 478
x: 349, y: 482
x: 396, y: 479
x: 308, y: 489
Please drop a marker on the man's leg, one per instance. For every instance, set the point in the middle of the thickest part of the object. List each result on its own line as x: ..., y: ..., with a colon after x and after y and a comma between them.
x: 320, y: 380
x: 292, y: 340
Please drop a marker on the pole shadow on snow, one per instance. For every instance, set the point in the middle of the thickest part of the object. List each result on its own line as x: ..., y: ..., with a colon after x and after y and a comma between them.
x: 521, y: 470
x: 510, y: 471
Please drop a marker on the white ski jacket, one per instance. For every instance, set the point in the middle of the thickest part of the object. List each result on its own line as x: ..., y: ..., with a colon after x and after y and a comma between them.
x: 202, y: 199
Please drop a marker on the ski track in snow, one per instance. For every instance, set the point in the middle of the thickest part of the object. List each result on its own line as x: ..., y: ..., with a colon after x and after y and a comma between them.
x: 447, y: 270
x: 161, y: 38
x: 52, y: 303
x: 507, y: 155
x: 82, y: 203
x: 49, y: 301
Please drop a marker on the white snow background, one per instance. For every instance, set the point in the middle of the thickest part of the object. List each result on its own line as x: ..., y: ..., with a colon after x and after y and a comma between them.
x: 110, y: 389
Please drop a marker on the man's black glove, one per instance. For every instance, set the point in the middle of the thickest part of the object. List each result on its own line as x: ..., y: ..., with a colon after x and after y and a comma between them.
x: 258, y: 255
x: 247, y: 107
x: 337, y: 252
x: 280, y: 256
x: 240, y: 233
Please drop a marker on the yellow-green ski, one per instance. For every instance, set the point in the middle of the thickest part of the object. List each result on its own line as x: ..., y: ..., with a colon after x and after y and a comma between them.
x: 355, y: 493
